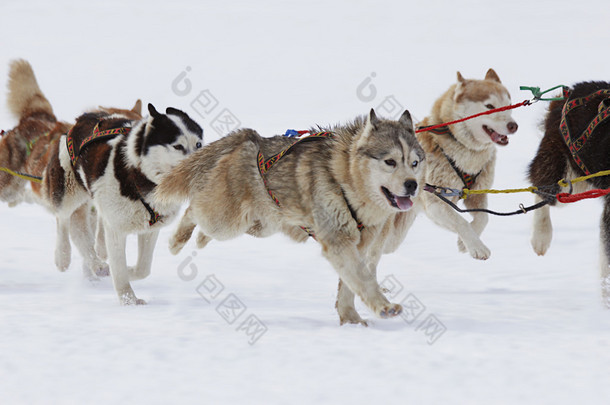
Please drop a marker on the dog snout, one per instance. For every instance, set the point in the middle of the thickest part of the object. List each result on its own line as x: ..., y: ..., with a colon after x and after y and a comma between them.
x: 410, y: 187
x: 512, y: 127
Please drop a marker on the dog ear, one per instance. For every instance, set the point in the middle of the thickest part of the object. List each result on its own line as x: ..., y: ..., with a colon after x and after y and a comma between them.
x: 372, y: 119
x: 460, y: 78
x: 405, y: 119
x: 492, y: 75
x: 175, y: 111
x: 151, y: 110
x: 137, y: 108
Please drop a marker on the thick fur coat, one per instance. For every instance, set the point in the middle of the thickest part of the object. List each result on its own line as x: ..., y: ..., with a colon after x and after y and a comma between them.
x: 348, y: 190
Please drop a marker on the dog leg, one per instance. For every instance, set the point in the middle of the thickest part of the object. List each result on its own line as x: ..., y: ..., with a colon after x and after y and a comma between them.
x: 605, y: 253
x: 479, y: 219
x: 345, y: 306
x: 116, y: 242
x: 444, y: 216
x: 355, y: 273
x: 542, y: 233
x: 83, y: 238
x: 63, y: 250
x: 183, y: 233
x: 100, y: 241
x: 146, y: 247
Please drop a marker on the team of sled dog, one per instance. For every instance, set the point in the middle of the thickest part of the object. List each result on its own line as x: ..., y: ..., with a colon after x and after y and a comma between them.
x: 356, y: 188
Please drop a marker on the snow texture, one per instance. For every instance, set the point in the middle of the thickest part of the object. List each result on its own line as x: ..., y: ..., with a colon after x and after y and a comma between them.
x: 515, y: 329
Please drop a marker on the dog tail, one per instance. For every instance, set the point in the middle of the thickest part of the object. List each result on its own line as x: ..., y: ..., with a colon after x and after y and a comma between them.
x: 24, y: 96
x: 175, y: 186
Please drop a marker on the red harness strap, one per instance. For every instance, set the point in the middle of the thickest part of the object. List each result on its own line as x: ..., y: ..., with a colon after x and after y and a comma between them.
x: 575, y: 145
x: 265, y: 165
x: 107, y: 134
x: 95, y: 136
x: 467, y: 178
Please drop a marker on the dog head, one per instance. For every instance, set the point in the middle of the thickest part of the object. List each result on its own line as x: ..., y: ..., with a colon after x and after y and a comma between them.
x: 393, y: 159
x: 475, y: 96
x: 161, y: 141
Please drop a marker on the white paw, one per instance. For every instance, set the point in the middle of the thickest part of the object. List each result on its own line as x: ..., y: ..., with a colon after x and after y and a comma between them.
x: 175, y: 246
x: 131, y: 299
x: 350, y: 316
x: 541, y: 241
x: 62, y: 259
x: 480, y: 251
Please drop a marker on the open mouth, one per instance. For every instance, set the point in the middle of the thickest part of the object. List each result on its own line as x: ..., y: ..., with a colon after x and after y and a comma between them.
x: 402, y: 203
x: 496, y: 137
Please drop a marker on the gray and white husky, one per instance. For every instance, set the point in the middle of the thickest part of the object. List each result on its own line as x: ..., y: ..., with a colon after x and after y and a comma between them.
x: 116, y: 162
x: 351, y: 188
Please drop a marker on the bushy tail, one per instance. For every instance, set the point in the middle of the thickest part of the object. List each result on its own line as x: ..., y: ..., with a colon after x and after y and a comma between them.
x: 175, y: 186
x: 24, y: 96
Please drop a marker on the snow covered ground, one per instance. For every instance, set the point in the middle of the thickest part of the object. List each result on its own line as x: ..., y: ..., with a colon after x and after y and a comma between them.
x: 516, y: 329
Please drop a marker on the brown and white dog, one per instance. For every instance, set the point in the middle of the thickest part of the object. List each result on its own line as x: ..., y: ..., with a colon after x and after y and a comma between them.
x: 25, y: 146
x: 29, y: 148
x: 464, y: 154
x: 114, y: 160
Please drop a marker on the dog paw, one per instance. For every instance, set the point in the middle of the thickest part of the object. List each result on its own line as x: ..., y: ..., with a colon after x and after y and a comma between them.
x: 130, y: 299
x: 62, y: 260
x: 351, y: 316
x: 102, y: 270
x: 390, y: 311
x: 175, y: 246
x: 202, y: 240
x: 540, y: 244
x: 480, y: 252
x: 461, y: 246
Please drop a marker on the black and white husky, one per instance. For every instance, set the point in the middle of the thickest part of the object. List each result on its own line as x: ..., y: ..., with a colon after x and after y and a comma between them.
x: 116, y: 162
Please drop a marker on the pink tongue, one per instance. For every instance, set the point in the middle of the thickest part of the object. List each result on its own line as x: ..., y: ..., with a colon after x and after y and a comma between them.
x: 404, y: 203
x: 499, y: 139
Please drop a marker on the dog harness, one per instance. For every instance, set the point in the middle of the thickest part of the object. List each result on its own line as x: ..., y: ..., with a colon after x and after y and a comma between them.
x: 467, y: 178
x: 603, y: 113
x: 29, y: 145
x: 95, y: 136
x: 98, y: 135
x: 265, y: 165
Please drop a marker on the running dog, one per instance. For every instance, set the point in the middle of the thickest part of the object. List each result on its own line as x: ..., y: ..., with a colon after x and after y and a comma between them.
x: 28, y: 148
x: 575, y: 143
x: 115, y: 161
x: 349, y: 188
x: 464, y: 154
x: 38, y: 127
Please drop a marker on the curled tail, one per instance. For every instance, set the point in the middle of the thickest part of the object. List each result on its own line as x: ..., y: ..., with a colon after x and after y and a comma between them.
x: 24, y: 96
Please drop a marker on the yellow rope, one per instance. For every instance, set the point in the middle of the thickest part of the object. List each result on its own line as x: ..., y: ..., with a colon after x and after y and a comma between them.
x: 467, y: 192
x: 23, y: 176
x: 563, y: 183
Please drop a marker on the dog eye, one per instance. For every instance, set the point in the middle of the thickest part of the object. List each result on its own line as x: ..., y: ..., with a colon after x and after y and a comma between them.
x: 490, y: 106
x: 414, y: 164
x: 390, y: 162
x: 179, y: 147
x: 198, y: 145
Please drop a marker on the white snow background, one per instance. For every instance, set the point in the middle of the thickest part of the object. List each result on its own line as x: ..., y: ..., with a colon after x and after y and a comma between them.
x: 518, y: 329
